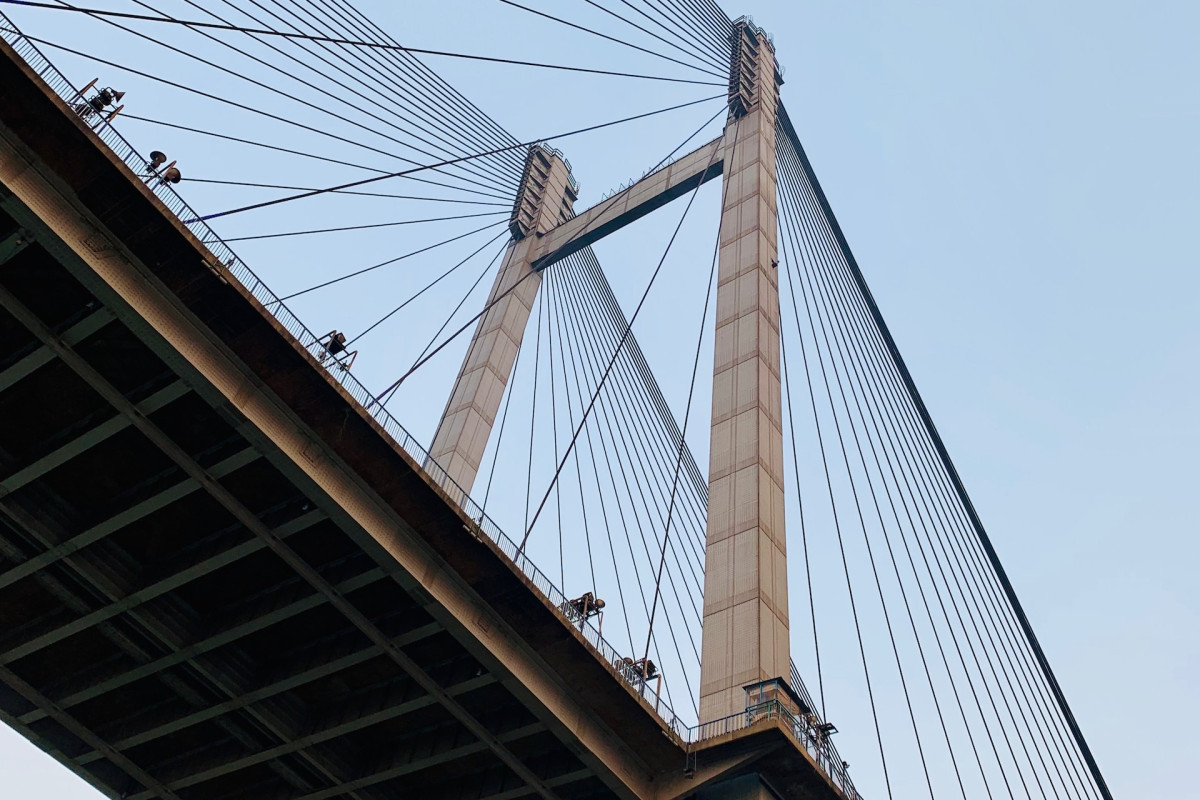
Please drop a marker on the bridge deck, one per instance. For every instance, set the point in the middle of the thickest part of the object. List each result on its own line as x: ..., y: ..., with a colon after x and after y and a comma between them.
x: 221, y: 578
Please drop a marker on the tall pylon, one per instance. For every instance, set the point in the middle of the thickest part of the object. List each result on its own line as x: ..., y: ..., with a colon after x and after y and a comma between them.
x: 545, y: 199
x: 745, y: 638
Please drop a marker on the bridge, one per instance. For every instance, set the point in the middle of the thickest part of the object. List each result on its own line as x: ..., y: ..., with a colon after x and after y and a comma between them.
x: 227, y: 570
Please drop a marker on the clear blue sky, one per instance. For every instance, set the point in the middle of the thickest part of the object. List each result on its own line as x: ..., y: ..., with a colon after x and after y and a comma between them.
x: 1019, y: 183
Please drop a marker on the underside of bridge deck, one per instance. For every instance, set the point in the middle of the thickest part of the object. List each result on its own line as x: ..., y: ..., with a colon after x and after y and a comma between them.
x: 154, y: 640
x: 219, y: 578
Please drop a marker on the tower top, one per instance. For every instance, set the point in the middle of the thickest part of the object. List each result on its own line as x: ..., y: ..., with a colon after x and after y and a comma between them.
x: 753, y: 69
x: 547, y: 194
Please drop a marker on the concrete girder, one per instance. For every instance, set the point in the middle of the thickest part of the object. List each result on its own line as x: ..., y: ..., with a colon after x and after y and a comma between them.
x: 651, y: 192
x: 293, y: 681
x: 81, y: 330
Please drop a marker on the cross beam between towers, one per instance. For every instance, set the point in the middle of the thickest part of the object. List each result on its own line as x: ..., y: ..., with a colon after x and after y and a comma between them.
x: 651, y: 192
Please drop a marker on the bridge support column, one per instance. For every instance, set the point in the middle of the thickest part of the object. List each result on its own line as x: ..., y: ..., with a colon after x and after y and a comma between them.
x: 745, y: 637
x: 545, y: 200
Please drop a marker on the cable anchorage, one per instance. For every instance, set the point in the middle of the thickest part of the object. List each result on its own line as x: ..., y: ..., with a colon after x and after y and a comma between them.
x: 547, y: 194
x: 747, y: 84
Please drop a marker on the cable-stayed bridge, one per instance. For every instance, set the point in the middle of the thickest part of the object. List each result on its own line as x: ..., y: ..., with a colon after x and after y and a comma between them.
x: 229, y: 570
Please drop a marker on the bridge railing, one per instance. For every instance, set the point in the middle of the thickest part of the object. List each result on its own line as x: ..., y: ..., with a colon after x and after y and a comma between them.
x: 798, y: 686
x: 804, y: 729
x: 227, y: 260
x: 230, y: 263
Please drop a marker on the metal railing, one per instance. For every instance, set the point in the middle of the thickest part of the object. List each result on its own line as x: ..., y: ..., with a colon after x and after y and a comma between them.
x: 574, y: 184
x: 803, y: 729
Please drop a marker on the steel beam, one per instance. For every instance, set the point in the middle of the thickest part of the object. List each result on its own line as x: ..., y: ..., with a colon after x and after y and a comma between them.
x: 513, y: 794
x: 104, y: 583
x: 14, y: 243
x: 217, y: 674
x: 262, y: 693
x: 114, y: 523
x: 227, y: 636
x: 409, y: 761
x: 324, y: 734
x: 47, y: 747
x: 44, y: 355
x: 86, y: 441
x: 170, y: 583
x: 70, y: 598
x: 21, y: 687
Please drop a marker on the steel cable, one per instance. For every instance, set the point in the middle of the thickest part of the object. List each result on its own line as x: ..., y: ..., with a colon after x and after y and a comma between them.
x: 615, y: 40
x: 404, y: 173
x: 1024, y: 694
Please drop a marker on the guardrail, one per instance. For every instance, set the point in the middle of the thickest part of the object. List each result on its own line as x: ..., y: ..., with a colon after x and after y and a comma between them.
x: 803, y: 728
